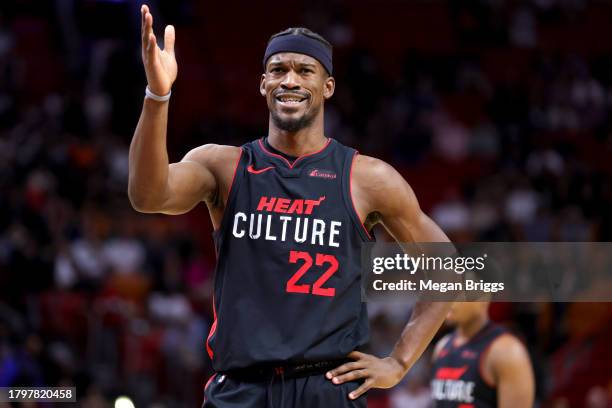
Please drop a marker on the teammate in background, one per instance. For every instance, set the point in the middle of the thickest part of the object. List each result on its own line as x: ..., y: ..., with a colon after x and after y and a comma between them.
x: 480, y: 364
x: 290, y: 213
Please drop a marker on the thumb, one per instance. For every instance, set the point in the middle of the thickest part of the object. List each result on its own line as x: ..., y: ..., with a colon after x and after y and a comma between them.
x: 169, y: 37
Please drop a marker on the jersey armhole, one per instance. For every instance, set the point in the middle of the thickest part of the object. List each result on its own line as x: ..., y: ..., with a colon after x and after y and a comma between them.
x: 444, y: 341
x: 238, y: 171
x: 348, y: 196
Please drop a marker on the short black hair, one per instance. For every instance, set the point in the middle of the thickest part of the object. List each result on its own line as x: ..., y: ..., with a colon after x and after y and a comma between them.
x: 304, y: 32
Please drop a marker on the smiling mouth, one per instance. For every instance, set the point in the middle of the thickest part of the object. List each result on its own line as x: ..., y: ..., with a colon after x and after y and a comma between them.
x: 290, y: 100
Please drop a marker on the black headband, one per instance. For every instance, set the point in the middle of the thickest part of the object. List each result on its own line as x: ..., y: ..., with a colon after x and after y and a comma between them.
x: 300, y: 44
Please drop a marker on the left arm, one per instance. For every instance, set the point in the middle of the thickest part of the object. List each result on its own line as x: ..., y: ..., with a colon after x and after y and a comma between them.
x: 381, y: 195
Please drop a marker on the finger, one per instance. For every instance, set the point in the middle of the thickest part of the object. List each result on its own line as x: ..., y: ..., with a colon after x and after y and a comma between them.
x: 142, y: 19
x: 361, y: 390
x: 147, y: 29
x: 144, y: 9
x: 350, y: 376
x: 143, y: 28
x: 151, y: 49
x: 144, y: 12
x: 357, y: 355
x: 169, y: 37
x: 343, y: 369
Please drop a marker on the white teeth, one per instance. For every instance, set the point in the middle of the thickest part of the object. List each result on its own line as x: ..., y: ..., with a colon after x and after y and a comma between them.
x: 289, y: 100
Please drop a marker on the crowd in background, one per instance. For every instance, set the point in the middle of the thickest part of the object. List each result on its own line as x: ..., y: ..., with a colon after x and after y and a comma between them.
x: 496, y: 112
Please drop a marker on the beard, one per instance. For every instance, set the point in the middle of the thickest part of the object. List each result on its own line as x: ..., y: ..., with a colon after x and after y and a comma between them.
x: 294, y: 124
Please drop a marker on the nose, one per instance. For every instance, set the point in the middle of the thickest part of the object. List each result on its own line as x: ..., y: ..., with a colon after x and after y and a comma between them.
x: 290, y: 81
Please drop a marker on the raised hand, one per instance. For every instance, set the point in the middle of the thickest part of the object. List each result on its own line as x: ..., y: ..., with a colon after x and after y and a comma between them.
x: 160, y: 65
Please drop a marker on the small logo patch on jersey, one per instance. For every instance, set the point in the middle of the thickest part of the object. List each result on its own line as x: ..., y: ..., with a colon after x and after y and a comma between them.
x: 469, y: 354
x: 326, y: 174
x: 252, y: 170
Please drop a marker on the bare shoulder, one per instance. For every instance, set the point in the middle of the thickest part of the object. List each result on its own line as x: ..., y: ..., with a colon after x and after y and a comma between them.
x: 370, y: 172
x: 380, y: 186
x: 213, y: 154
x: 506, y: 349
x: 219, y: 161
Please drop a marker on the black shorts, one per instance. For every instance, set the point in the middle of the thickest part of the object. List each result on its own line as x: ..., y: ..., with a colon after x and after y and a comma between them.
x: 313, y: 391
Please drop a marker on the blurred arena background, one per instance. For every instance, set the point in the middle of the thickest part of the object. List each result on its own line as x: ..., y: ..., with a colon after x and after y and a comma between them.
x: 497, y: 113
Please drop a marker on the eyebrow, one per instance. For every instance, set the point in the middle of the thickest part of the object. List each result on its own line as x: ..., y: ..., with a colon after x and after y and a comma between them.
x: 302, y: 64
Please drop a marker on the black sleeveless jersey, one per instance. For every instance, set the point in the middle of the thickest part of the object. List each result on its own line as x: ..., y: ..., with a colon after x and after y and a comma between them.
x: 288, y: 279
x: 457, y: 380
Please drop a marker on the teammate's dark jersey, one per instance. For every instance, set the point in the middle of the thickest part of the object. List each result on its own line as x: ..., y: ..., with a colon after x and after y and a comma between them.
x: 287, y: 281
x: 457, y: 378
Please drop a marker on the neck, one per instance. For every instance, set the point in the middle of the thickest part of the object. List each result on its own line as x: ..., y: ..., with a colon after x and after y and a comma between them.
x: 305, y: 141
x: 469, y: 329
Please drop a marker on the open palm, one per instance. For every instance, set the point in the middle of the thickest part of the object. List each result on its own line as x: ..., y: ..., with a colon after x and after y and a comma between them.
x: 160, y: 65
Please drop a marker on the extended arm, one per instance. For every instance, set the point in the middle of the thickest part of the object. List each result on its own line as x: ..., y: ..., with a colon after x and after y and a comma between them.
x: 399, y: 212
x: 154, y: 184
x: 382, y: 194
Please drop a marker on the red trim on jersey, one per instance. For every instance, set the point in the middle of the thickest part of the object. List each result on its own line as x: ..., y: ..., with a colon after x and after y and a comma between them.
x: 465, y: 406
x: 482, y: 357
x: 235, y: 171
x: 291, y: 165
x: 213, y: 328
x: 212, y: 377
x: 443, y: 345
x: 232, y: 183
x: 351, y: 196
x: 451, y: 373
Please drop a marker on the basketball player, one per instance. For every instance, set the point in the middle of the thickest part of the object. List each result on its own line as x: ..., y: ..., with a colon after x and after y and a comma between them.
x: 480, y: 364
x: 290, y: 212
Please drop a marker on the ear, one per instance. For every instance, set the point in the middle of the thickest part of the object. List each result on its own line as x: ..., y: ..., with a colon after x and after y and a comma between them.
x: 329, y: 87
x: 262, y: 85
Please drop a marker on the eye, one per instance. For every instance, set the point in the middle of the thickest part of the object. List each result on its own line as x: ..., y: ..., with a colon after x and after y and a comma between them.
x: 307, y: 71
x: 276, y: 69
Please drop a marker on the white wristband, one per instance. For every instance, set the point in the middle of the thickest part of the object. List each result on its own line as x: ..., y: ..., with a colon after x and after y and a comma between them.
x: 156, y: 97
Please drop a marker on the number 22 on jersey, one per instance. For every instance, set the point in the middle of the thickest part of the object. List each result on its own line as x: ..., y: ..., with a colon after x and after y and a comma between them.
x: 320, y: 260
